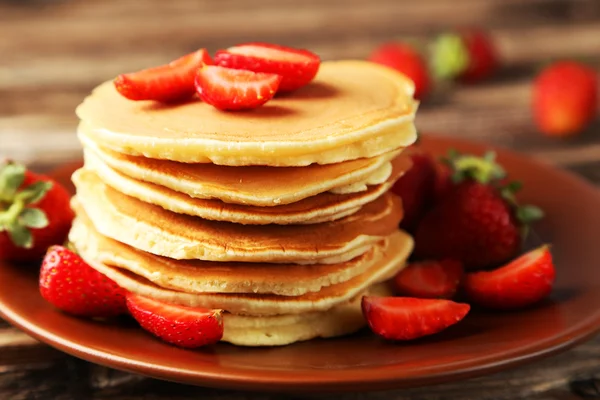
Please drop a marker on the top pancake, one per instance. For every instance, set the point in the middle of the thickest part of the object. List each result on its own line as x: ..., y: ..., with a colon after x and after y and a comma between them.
x: 352, y: 109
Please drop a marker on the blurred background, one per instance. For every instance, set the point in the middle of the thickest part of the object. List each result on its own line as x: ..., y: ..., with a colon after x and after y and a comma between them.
x: 53, y: 52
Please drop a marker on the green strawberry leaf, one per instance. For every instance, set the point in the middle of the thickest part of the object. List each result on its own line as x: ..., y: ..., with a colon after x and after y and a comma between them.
x: 35, y: 192
x: 449, y: 57
x: 528, y: 213
x: 33, y: 218
x: 11, y: 177
x: 20, y: 236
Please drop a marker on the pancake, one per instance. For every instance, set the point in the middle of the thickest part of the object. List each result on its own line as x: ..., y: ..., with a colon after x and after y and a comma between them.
x: 155, y: 230
x: 343, y: 319
x: 319, y: 208
x: 257, y: 186
x: 254, y: 304
x: 352, y: 109
x: 194, y: 276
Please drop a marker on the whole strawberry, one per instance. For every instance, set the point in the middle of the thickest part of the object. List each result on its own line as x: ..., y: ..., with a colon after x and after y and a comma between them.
x: 478, y: 221
x: 74, y: 287
x: 416, y: 187
x: 35, y: 213
x: 406, y: 59
x: 467, y: 55
x: 565, y: 98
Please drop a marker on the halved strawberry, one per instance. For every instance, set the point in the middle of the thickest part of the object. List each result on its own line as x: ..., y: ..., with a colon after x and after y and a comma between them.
x: 297, y: 67
x: 235, y: 89
x: 430, y: 279
x: 406, y: 318
x: 520, y: 283
x: 178, y: 325
x: 72, y: 286
x: 166, y: 83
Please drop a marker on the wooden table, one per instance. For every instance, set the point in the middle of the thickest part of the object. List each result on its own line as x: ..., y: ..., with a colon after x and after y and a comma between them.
x: 53, y: 52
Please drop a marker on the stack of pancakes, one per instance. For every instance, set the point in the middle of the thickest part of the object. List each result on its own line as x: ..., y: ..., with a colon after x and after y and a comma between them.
x: 281, y: 216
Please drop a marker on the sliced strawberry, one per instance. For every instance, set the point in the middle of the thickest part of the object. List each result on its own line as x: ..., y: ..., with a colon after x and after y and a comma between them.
x: 178, y: 325
x: 520, y: 283
x: 72, y: 286
x: 297, y: 67
x: 235, y: 89
x: 406, y: 318
x: 166, y: 83
x: 430, y: 279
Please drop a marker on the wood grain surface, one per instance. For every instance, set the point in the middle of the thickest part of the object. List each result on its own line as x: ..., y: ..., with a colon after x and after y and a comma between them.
x: 52, y: 53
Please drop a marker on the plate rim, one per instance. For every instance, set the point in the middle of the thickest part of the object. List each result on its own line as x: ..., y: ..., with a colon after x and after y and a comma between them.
x: 333, y: 380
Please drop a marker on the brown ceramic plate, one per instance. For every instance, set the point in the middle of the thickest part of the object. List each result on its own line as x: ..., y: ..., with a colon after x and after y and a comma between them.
x: 482, y: 343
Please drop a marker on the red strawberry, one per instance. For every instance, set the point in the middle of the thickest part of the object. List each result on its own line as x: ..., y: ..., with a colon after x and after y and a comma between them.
x: 565, y: 98
x: 166, y: 83
x: 415, y: 188
x: 520, y: 283
x: 468, y: 55
x: 429, y: 279
x: 406, y: 318
x: 182, y: 326
x: 406, y: 59
x: 297, y: 67
x: 35, y: 213
x: 235, y: 89
x: 478, y: 222
x: 443, y: 181
x: 72, y: 286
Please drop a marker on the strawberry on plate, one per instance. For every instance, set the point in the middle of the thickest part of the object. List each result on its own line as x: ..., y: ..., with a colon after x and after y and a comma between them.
x: 478, y: 221
x: 35, y: 213
x: 185, y: 327
x: 297, y: 67
x: 429, y: 279
x: 74, y: 287
x: 166, y: 83
x: 406, y: 59
x: 520, y: 283
x: 468, y: 55
x: 407, y: 318
x: 416, y: 187
x: 565, y: 98
x: 235, y: 89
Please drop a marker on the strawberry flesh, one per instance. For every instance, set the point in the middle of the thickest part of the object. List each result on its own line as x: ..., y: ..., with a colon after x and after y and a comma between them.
x: 167, y: 83
x: 235, y: 89
x: 297, y: 67
x: 520, y: 283
x: 429, y: 279
x: 185, y: 327
x: 74, y: 287
x: 407, y: 318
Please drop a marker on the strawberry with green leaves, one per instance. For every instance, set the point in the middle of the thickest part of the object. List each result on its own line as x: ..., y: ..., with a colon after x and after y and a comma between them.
x: 468, y: 55
x: 35, y: 213
x: 478, y: 221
